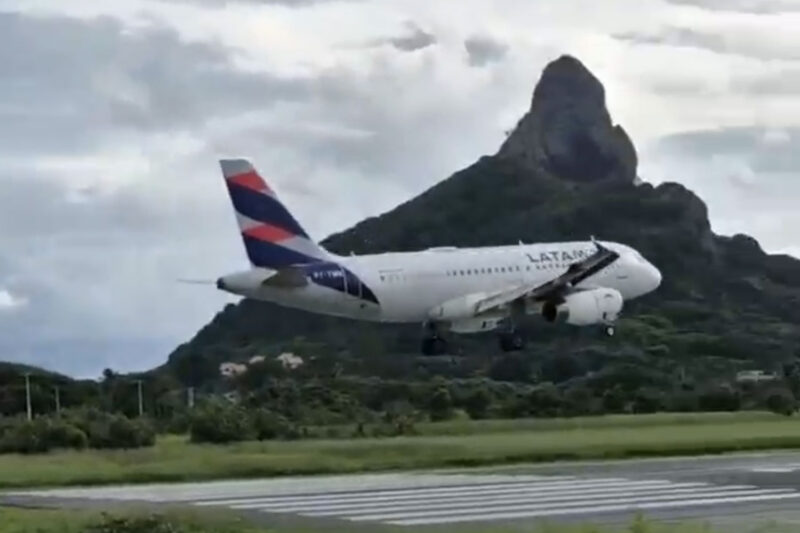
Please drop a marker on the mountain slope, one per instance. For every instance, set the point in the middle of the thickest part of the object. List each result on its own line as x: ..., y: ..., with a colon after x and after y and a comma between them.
x: 566, y: 172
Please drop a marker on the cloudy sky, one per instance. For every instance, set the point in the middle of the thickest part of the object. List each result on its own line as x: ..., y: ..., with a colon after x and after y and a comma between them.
x: 113, y: 114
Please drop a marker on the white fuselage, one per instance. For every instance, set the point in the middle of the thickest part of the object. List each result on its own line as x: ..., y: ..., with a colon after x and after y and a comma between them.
x: 408, y: 285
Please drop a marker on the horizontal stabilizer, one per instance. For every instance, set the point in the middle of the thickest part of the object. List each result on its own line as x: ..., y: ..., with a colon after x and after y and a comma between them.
x: 288, y: 278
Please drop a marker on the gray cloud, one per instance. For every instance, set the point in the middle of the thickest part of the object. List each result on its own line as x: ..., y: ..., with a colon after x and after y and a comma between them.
x: 783, y: 82
x: 678, y: 37
x: 766, y: 152
x: 715, y: 42
x: 97, y: 245
x: 287, y: 3
x: 744, y: 6
x: 113, y: 80
x: 414, y: 39
x: 93, y: 261
x: 484, y: 50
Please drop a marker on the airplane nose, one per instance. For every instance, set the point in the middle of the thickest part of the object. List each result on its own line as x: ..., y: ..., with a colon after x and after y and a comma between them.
x: 655, y: 276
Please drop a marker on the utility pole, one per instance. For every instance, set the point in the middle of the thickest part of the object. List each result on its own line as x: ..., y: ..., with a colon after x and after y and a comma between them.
x: 141, y: 401
x: 58, y: 400
x: 190, y: 397
x: 28, y: 395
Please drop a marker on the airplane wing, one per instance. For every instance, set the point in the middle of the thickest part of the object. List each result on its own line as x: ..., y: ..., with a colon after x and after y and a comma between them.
x: 554, y: 289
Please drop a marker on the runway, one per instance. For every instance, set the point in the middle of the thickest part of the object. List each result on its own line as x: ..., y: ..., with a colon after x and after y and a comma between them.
x: 715, y: 488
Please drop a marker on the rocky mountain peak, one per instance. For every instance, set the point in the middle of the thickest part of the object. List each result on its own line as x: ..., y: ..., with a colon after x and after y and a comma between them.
x: 568, y: 131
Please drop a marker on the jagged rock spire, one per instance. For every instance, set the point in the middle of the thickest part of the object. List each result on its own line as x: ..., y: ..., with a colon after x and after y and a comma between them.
x: 568, y: 131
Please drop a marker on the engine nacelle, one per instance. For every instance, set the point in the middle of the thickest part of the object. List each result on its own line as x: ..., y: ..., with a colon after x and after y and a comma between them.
x: 475, y: 325
x: 459, y: 308
x: 586, y: 308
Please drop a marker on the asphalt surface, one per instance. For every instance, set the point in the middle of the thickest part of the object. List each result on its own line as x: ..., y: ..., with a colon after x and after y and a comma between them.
x: 738, y: 491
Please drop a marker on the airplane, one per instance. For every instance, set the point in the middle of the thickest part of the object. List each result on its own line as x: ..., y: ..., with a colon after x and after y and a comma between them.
x: 445, y: 289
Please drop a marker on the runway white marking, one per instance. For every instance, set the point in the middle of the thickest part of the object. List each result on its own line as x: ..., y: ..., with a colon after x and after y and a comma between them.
x: 428, y: 499
x: 783, y: 468
x: 515, y: 497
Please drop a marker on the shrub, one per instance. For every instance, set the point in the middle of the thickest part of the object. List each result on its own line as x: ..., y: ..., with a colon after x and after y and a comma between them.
x: 720, y: 398
x: 219, y: 421
x: 145, y: 524
x: 545, y: 401
x: 441, y: 405
x: 61, y: 434
x: 112, y: 431
x: 126, y: 433
x: 477, y: 404
x: 40, y: 435
x: 781, y: 402
x: 647, y: 400
x: 269, y: 425
x: 24, y: 437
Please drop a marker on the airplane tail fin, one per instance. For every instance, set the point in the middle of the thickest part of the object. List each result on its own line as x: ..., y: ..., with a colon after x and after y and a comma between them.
x: 272, y: 237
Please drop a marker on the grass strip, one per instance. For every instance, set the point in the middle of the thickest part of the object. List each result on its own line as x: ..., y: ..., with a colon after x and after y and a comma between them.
x: 173, y: 459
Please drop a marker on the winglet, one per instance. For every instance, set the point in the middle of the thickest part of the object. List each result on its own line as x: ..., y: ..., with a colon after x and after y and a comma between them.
x: 600, y: 247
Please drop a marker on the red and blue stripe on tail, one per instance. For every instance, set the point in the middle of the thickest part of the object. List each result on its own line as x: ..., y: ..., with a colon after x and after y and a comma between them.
x: 272, y: 236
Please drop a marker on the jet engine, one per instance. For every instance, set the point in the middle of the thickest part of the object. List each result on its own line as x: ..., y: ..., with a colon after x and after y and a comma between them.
x: 585, y: 308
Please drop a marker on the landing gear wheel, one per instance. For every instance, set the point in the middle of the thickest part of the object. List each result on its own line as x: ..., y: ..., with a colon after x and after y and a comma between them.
x: 434, y: 346
x: 610, y: 331
x: 511, y: 341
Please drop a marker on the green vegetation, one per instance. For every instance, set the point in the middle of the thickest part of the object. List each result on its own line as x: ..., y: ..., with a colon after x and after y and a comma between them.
x: 46, y: 521
x: 74, y: 429
x: 440, y: 445
x: 63, y: 521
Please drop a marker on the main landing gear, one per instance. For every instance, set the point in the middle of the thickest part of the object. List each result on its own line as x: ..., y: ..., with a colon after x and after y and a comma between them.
x: 511, y: 341
x: 433, y: 343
